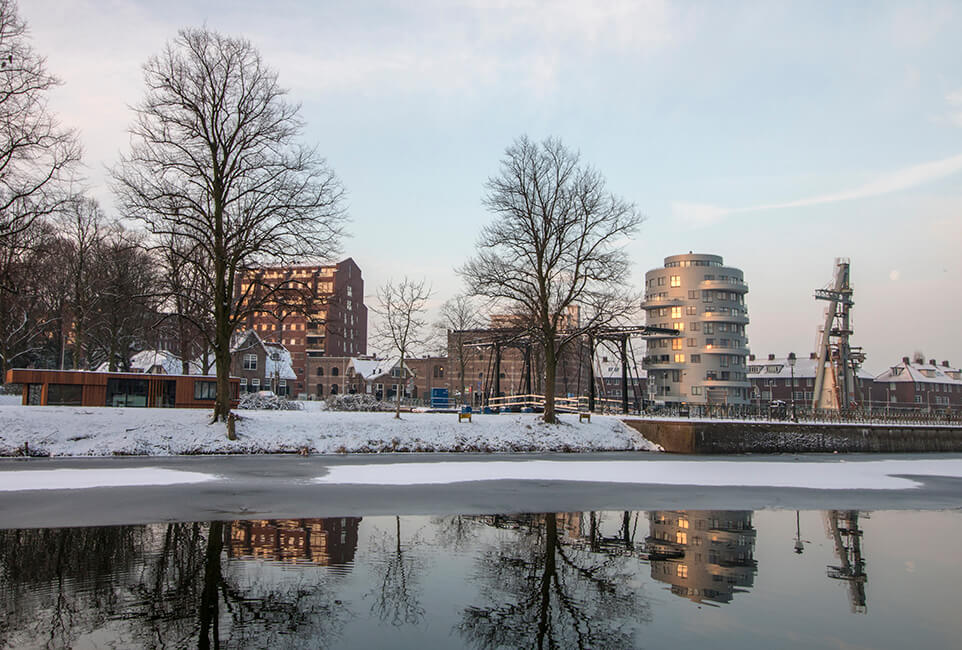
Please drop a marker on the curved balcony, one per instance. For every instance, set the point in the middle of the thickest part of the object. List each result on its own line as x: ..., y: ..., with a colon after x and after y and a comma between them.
x: 724, y: 315
x: 717, y: 349
x: 655, y: 302
x: 724, y: 383
x: 723, y: 285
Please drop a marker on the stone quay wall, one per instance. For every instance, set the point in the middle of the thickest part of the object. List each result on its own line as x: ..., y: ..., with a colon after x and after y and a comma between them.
x: 728, y: 437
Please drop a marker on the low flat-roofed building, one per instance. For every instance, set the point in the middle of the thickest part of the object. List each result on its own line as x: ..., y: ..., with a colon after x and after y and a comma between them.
x: 121, y: 389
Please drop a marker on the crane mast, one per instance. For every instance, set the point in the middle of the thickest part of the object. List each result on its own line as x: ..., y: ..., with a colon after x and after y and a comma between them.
x: 838, y: 361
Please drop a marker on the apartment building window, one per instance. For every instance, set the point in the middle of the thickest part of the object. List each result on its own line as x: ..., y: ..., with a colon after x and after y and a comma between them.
x: 679, y: 358
x: 676, y: 312
x: 692, y: 294
x: 250, y: 362
x: 676, y: 376
x: 695, y: 358
x: 675, y: 281
x: 691, y: 310
x: 661, y: 281
x: 706, y: 296
x: 692, y: 342
x: 256, y: 383
x: 696, y: 390
x: 694, y: 326
x: 676, y: 344
x: 709, y: 328
x: 678, y: 325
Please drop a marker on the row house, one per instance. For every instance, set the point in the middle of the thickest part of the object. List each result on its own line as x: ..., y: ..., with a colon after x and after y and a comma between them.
x: 919, y: 385
x: 380, y: 378
x: 772, y: 379
x: 261, y: 365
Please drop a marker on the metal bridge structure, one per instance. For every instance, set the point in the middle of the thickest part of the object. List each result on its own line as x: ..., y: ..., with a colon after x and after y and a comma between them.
x: 500, y: 339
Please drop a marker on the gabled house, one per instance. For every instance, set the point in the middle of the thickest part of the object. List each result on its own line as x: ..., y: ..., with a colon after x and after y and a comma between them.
x: 261, y: 365
x: 152, y: 362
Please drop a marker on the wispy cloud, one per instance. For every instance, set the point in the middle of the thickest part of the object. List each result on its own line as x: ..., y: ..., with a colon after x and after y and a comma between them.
x: 699, y: 215
x: 954, y: 100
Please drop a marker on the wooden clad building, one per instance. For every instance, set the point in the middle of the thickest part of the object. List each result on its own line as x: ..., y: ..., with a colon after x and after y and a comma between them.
x: 89, y: 388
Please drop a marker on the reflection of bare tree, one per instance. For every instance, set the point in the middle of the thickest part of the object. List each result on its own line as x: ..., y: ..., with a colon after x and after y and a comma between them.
x: 548, y: 591
x: 156, y: 587
x: 78, y: 568
x: 396, y: 597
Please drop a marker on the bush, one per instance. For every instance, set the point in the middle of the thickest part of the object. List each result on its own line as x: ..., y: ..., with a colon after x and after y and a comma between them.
x: 355, y: 402
x: 266, y: 401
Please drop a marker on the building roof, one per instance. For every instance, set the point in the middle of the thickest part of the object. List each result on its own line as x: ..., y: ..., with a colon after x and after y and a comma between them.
x: 611, y: 368
x: 159, y: 362
x: 922, y: 373
x: 278, y: 364
x: 372, y: 368
x: 778, y: 368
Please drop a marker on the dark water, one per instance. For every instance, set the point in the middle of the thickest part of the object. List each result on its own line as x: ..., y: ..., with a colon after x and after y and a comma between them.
x: 712, y: 578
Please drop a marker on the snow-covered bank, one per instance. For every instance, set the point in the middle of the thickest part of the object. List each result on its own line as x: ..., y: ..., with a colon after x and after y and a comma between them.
x: 84, y: 431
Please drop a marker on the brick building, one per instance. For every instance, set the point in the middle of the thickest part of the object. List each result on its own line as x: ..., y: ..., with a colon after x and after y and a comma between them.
x: 928, y: 386
x: 315, y: 311
x: 771, y: 379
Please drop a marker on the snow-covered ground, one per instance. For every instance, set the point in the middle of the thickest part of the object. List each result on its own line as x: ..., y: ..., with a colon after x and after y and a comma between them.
x: 74, y: 479
x: 85, y: 431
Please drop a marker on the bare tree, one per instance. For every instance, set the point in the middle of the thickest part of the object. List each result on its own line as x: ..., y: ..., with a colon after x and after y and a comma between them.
x: 459, y: 315
x: 400, y: 328
x: 82, y: 229
x: 37, y: 156
x: 553, y: 246
x: 215, y: 160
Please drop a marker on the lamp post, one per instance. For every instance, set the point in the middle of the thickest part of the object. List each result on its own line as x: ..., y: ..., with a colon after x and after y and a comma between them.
x: 791, y: 364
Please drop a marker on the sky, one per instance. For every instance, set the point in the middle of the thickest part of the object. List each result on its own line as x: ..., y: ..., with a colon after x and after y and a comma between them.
x: 780, y: 135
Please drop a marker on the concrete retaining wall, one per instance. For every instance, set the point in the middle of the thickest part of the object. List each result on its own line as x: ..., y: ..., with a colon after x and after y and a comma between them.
x: 698, y: 437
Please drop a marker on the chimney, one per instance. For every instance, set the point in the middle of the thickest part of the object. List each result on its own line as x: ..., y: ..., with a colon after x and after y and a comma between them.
x: 771, y: 357
x: 905, y: 359
x: 945, y: 364
x: 813, y: 356
x: 932, y: 362
x: 751, y: 357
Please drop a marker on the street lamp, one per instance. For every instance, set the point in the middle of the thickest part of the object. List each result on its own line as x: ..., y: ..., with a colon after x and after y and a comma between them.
x: 791, y: 364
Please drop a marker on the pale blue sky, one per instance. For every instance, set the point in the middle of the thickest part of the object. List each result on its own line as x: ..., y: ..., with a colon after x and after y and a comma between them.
x: 780, y: 135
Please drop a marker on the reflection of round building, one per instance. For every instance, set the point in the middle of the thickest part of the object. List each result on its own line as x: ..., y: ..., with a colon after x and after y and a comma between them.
x: 703, y: 554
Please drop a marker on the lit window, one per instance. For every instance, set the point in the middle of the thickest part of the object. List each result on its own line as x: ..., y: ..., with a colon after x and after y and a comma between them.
x: 676, y: 280
x: 683, y: 523
x: 676, y: 344
x: 678, y: 325
x: 682, y: 570
x: 681, y: 537
x: 679, y: 358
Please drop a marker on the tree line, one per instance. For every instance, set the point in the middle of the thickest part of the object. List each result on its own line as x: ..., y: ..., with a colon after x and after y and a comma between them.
x: 217, y: 182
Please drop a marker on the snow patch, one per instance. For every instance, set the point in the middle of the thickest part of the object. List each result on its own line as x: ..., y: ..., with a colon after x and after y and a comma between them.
x: 869, y: 475
x: 78, y: 479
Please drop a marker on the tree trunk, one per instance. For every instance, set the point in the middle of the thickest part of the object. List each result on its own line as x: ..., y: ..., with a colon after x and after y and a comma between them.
x: 550, y: 370
x: 400, y: 389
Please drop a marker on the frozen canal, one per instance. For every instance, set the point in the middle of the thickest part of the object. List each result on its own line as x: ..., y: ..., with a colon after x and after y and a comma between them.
x: 483, y: 551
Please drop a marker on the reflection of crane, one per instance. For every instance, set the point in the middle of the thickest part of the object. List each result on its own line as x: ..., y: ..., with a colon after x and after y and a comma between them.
x: 842, y: 526
x: 838, y: 362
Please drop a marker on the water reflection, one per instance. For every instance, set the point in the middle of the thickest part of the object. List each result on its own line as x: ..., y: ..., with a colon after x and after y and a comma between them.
x: 579, y: 579
x: 548, y: 584
x: 844, y: 532
x: 705, y: 555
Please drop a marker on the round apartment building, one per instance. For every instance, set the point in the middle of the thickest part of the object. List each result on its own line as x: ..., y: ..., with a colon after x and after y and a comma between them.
x: 705, y: 301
